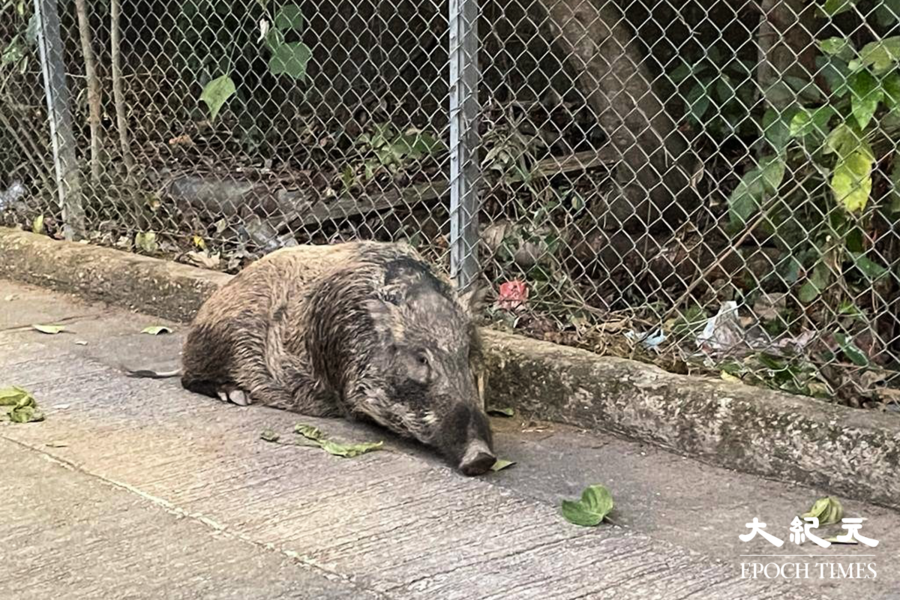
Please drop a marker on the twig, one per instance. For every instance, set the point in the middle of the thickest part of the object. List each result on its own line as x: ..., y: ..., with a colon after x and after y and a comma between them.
x: 115, y: 36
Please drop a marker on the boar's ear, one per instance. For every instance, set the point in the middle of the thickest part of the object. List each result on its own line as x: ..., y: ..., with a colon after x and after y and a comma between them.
x: 383, y: 314
x: 473, y: 300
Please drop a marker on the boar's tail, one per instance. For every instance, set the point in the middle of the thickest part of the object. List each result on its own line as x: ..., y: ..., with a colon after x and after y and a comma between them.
x: 147, y: 374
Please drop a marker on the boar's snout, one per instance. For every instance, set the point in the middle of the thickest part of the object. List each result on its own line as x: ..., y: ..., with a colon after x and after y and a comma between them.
x: 478, y: 459
x: 465, y: 438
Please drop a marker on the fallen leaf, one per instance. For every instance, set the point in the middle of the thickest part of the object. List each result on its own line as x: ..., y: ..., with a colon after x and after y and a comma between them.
x: 828, y: 510
x: 835, y: 540
x: 57, y: 445
x: 315, y: 435
x: 596, y: 502
x: 81, y: 343
x: 348, y: 450
x: 49, y: 329
x: 729, y: 377
x: 501, y: 464
x: 501, y: 412
x: 269, y: 436
x: 10, y: 396
x: 146, y: 241
x: 24, y: 408
x: 309, y: 432
x: 156, y: 330
x: 10, y: 298
x: 37, y: 226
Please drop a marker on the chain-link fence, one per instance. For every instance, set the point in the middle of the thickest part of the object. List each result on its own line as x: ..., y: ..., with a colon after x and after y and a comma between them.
x: 706, y: 185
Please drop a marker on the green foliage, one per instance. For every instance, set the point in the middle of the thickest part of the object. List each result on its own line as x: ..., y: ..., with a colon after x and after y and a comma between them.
x: 830, y: 140
x: 16, y: 54
x: 290, y: 59
x: 718, y: 91
x: 755, y: 187
x: 214, y: 36
x: 385, y: 149
x: 832, y: 8
x: 216, y: 93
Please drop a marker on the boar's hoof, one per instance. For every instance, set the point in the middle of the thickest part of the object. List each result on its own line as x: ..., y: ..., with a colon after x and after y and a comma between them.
x: 477, y: 460
x: 234, y: 396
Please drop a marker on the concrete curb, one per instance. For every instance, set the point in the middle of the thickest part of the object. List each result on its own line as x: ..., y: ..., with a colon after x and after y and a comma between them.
x: 845, y: 451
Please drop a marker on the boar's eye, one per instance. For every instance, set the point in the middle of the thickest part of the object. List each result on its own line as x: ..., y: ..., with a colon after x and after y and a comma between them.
x: 422, y: 359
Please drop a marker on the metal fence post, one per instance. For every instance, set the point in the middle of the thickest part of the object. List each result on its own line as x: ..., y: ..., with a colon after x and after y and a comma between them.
x: 60, y: 117
x: 464, y: 165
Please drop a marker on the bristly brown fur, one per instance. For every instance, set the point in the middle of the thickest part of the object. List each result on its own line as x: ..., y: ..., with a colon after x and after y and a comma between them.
x: 364, y: 330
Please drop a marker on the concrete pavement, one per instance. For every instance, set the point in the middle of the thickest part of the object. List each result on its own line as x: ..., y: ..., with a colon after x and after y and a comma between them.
x: 138, y: 489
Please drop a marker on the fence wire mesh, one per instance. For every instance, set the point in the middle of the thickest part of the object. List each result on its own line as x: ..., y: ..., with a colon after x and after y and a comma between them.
x: 705, y: 185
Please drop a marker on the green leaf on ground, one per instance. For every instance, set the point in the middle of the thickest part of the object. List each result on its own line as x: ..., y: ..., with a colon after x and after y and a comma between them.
x: 501, y: 411
x: 309, y: 432
x: 216, y: 93
x: 10, y: 396
x: 851, y: 350
x: 146, y: 241
x: 596, y: 502
x: 315, y: 435
x: 156, y: 330
x: 49, y: 329
x: 23, y: 407
x: 348, y: 450
x: 37, y: 226
x: 501, y: 464
x: 828, y: 510
x: 269, y: 436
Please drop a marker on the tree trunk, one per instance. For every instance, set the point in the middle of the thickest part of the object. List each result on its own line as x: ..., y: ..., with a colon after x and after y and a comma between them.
x: 93, y: 82
x: 786, y: 48
x: 655, y: 166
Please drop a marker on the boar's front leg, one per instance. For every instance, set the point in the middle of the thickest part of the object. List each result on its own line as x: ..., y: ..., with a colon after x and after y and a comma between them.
x: 243, y: 361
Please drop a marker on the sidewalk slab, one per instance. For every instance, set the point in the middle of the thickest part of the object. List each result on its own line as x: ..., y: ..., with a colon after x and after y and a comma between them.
x: 397, y: 523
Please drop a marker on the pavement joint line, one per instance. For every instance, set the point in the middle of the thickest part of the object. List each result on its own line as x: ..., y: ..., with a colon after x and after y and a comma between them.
x: 69, y: 319
x: 301, y: 561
